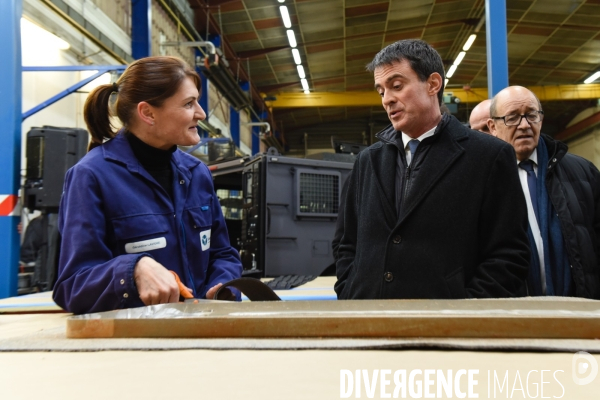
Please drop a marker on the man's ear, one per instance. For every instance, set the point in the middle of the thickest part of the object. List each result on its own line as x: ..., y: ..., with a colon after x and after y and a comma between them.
x: 492, y: 127
x: 145, y: 113
x: 435, y: 84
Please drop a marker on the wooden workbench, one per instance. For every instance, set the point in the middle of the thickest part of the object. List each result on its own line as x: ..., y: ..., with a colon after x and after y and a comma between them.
x: 38, y: 361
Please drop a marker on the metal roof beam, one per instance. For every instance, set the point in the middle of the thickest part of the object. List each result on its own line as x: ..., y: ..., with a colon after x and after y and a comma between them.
x: 497, y: 46
x: 579, y: 128
x: 260, y: 52
x: 472, y: 95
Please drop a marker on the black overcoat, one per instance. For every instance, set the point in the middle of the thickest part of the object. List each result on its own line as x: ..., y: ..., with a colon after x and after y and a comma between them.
x: 460, y: 232
x: 573, y: 185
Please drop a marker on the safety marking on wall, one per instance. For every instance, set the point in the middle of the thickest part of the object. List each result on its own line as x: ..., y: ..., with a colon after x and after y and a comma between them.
x: 8, y: 205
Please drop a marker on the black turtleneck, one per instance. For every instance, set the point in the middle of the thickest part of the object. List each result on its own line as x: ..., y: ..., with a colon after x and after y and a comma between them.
x: 156, y: 161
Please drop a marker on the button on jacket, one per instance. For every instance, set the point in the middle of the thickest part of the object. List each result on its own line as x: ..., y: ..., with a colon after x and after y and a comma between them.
x: 113, y: 212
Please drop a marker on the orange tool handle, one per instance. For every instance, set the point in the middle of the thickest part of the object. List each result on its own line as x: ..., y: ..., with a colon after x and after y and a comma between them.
x: 183, y: 291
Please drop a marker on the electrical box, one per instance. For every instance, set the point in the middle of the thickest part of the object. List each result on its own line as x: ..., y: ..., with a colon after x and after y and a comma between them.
x: 50, y: 153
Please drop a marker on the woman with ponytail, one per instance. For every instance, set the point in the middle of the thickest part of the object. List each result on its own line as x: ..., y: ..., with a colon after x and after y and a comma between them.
x: 136, y: 209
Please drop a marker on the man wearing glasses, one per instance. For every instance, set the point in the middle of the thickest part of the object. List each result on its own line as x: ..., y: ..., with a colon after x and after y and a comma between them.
x: 562, y: 192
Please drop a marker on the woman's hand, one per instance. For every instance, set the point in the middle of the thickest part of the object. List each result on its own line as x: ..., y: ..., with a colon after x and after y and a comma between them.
x: 225, y: 295
x: 155, y: 283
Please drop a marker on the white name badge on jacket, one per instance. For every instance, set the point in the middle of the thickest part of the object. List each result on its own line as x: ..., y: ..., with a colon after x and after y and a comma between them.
x: 205, y: 240
x: 146, y: 245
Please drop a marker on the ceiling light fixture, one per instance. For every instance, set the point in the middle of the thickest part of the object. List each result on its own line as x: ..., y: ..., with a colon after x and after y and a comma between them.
x: 469, y: 42
x: 296, y: 55
x: 285, y: 15
x: 301, y: 72
x: 451, y: 71
x: 304, y: 84
x: 291, y: 38
x: 282, y: 1
x: 287, y: 22
x: 463, y: 53
x: 593, y: 77
x: 460, y: 57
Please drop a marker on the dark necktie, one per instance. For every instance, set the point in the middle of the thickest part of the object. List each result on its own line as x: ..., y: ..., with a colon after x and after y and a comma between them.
x: 412, y: 145
x: 527, y: 165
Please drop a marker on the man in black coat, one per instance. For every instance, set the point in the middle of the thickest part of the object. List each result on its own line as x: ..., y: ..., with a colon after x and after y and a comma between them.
x: 430, y: 210
x: 563, y: 200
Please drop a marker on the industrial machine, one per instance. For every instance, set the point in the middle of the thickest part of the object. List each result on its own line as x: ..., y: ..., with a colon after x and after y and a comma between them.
x: 50, y: 152
x: 281, y: 212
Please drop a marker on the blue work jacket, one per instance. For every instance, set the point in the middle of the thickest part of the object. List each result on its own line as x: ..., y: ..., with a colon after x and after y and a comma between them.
x: 113, y: 212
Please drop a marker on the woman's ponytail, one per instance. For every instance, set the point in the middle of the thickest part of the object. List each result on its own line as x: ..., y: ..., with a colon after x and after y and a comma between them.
x: 96, y: 113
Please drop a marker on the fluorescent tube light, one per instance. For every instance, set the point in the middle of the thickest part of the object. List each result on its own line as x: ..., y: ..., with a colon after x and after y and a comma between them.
x: 460, y: 57
x: 451, y: 71
x: 296, y: 55
x: 301, y: 72
x: 292, y: 38
x: 446, y: 82
x: 304, y: 84
x: 593, y: 77
x: 285, y: 15
x: 469, y: 42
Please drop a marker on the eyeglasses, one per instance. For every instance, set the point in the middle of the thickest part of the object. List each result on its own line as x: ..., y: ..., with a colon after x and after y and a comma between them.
x: 515, y: 119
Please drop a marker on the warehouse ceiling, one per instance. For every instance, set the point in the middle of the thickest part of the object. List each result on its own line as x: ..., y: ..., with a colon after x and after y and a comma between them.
x: 550, y: 42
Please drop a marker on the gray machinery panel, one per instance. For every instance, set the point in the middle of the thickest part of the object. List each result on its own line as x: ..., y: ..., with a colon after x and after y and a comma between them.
x: 292, y: 212
x: 51, y: 151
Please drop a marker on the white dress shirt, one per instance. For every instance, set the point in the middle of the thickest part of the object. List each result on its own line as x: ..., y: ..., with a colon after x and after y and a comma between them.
x: 533, y: 224
x: 406, y: 139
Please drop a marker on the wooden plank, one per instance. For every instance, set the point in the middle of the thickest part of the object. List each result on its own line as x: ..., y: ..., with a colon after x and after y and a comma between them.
x: 31, y: 303
x: 511, y: 318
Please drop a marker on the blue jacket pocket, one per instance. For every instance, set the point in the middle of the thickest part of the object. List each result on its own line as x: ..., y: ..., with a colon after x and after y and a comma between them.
x: 200, y: 217
x: 140, y: 226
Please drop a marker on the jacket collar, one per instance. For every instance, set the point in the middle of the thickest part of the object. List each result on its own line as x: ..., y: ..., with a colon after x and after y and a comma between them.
x: 441, y: 156
x: 389, y: 135
x: 556, y: 149
x: 119, y: 150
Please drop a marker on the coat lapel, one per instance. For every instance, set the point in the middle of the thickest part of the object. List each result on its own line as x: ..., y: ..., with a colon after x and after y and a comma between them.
x: 444, y: 151
x: 384, y: 161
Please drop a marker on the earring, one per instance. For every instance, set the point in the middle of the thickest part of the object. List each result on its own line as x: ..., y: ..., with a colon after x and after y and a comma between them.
x: 152, y: 124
